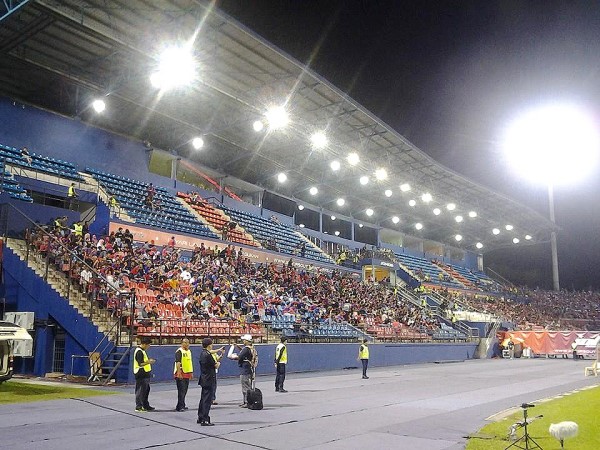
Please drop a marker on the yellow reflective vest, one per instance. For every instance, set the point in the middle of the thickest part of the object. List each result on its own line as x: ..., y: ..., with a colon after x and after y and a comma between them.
x: 281, y: 354
x: 363, y: 352
x: 78, y: 228
x: 71, y: 192
x: 187, y: 365
x: 136, y: 365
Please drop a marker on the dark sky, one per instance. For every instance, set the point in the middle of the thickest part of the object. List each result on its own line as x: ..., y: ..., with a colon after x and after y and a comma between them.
x: 450, y: 75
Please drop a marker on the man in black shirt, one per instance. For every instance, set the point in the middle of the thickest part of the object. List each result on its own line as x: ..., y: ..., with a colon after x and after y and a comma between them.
x: 247, y: 360
x: 208, y: 378
x: 142, y: 369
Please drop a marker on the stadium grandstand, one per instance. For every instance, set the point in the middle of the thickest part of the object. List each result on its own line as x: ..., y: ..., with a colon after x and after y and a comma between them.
x: 255, y: 198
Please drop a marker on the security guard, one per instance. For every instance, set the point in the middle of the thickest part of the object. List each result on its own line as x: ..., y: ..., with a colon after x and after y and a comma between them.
x: 280, y: 363
x: 183, y: 373
x: 78, y: 229
x: 363, y: 355
x: 142, y: 369
x: 72, y: 195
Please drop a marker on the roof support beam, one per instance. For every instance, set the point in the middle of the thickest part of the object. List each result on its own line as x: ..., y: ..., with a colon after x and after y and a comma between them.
x: 9, y: 7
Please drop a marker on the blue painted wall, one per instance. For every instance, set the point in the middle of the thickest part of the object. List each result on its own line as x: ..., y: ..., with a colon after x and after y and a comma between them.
x: 318, y: 357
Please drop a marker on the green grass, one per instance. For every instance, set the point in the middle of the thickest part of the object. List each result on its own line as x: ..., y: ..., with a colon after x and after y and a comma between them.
x: 581, y: 407
x: 15, y: 392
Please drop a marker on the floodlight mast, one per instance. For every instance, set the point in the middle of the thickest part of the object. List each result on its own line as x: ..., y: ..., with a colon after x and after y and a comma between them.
x: 553, y: 245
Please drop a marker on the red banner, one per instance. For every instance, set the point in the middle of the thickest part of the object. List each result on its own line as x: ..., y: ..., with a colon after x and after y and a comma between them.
x: 544, y: 342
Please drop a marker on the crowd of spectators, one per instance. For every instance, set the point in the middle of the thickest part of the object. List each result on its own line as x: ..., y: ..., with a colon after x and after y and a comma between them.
x: 219, y: 283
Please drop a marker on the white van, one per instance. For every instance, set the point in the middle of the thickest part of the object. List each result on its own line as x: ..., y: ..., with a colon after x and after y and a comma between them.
x: 9, y: 333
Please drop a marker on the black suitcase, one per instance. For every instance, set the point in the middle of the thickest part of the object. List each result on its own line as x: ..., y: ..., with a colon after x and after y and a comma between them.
x: 254, y: 399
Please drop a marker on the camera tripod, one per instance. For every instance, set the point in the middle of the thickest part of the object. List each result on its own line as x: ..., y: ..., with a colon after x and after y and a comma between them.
x: 525, y: 442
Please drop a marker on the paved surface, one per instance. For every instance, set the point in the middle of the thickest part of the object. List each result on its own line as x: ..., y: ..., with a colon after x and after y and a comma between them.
x: 431, y: 406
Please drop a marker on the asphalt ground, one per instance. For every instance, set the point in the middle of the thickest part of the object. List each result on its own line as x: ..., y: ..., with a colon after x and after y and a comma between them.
x: 426, y: 406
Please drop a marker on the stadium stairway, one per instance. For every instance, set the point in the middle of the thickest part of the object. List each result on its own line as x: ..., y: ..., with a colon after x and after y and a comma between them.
x: 454, y: 274
x: 96, y: 334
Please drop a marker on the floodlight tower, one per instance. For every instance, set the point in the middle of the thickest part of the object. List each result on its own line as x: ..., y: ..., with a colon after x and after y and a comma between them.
x: 555, y: 144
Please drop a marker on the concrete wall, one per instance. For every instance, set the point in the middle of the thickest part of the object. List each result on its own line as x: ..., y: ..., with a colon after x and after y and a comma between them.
x: 319, y: 357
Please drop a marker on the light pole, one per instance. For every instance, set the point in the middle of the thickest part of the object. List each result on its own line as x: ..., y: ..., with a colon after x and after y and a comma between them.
x: 555, y: 279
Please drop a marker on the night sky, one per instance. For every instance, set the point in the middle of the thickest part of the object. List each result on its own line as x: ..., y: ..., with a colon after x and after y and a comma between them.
x: 449, y: 76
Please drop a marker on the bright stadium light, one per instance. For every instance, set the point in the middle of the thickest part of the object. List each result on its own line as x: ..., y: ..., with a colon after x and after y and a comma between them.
x: 301, y: 225
x: 458, y: 219
x: 388, y: 193
x: 300, y: 207
x: 528, y: 237
x: 381, y: 174
x: 479, y: 245
x: 412, y: 202
x: 364, y: 180
x: 405, y: 187
x: 319, y: 140
x: 335, y: 165
x: 277, y: 117
x: 176, y: 67
x: 369, y: 212
x: 258, y: 125
x: 509, y: 227
x: 556, y: 144
x: 282, y: 177
x: 496, y: 231
x: 340, y: 202
x: 313, y: 191
x: 395, y: 219
x: 472, y: 214
x: 99, y: 105
x: 419, y: 226
x: 332, y: 217
x: 437, y: 211
x: 451, y: 206
x: 458, y: 237
x: 516, y: 240
x: 360, y: 225
x: 197, y: 143
x: 426, y: 197
x: 353, y: 159
x: 337, y: 233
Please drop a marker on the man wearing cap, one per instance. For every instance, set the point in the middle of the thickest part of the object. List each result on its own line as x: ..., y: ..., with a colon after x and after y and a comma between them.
x: 247, y: 360
x: 280, y: 364
x: 183, y: 372
x: 142, y: 369
x: 208, y: 378
x: 363, y: 355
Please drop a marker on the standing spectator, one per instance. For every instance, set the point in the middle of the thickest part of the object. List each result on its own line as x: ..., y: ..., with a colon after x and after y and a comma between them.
x: 26, y: 156
x: 280, y: 364
x: 217, y: 354
x: 142, y: 369
x: 363, y: 355
x: 183, y: 372
x: 208, y: 377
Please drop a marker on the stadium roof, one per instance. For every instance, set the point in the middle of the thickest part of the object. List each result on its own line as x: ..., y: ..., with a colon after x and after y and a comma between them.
x: 61, y: 55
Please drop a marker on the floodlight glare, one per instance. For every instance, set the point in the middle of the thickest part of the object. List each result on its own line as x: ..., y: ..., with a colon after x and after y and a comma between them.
x: 509, y: 227
x: 479, y: 245
x: 412, y: 202
x: 451, y: 206
x: 277, y: 117
x: 369, y: 212
x: 405, y: 187
x: 472, y: 214
x: 258, y: 125
x: 496, y: 231
x: 360, y: 225
x: 555, y: 144
x: 381, y: 174
x: 528, y: 237
x: 99, y: 105
x: 341, y: 202
x: 332, y: 217
x: 458, y: 219
x: 335, y: 165
x: 437, y: 211
x: 388, y: 192
x: 458, y: 237
x: 516, y: 240
x: 282, y: 177
x: 301, y: 225
x: 198, y: 143
x: 364, y: 180
x: 313, y: 191
x: 300, y: 207
x: 419, y: 226
x: 353, y: 159
x: 176, y: 67
x: 319, y: 140
x: 337, y: 233
x: 426, y: 197
x: 395, y: 219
